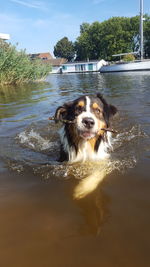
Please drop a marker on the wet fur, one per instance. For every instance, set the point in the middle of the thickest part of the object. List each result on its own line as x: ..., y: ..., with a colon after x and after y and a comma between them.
x: 75, y: 148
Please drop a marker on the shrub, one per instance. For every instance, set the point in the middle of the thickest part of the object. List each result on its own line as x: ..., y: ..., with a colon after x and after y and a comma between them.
x: 129, y: 57
x: 16, y: 66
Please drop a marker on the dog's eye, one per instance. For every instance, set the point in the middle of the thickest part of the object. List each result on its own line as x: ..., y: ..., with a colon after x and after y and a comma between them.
x: 98, y: 111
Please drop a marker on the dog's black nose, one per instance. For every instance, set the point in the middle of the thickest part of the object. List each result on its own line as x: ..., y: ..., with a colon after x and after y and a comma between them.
x: 88, y: 122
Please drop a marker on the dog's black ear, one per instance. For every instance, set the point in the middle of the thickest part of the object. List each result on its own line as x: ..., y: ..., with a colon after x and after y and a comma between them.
x: 102, y: 98
x: 113, y: 110
x: 60, y: 113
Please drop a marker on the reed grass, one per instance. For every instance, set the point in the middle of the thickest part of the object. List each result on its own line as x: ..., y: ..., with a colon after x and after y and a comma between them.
x: 16, y: 66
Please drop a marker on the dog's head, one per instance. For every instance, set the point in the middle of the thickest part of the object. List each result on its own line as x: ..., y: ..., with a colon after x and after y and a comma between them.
x: 90, y: 115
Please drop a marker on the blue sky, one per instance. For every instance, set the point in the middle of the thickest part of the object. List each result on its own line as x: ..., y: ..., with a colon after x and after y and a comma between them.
x: 37, y: 25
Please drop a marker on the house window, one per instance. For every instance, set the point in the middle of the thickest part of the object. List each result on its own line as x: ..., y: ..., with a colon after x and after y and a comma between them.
x: 90, y: 67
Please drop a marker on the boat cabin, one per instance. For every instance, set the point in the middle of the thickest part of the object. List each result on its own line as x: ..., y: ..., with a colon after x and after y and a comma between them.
x: 82, y: 66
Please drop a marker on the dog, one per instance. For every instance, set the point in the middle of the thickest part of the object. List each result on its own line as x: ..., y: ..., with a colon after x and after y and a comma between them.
x: 84, y: 135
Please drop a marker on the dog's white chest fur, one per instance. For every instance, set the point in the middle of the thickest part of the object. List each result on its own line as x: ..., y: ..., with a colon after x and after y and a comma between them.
x: 85, y: 153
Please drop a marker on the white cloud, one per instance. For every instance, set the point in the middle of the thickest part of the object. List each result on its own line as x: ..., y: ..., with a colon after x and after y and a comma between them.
x: 30, y: 4
x: 39, y: 35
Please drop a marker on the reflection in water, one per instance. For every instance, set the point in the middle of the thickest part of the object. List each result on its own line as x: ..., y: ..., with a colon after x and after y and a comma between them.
x: 15, y: 101
x: 89, y: 183
x: 95, y: 210
x: 21, y: 93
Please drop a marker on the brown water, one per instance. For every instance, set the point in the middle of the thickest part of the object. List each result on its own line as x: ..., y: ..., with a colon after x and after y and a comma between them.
x: 41, y: 224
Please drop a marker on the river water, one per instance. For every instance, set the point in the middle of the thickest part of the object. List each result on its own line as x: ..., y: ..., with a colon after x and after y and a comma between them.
x: 41, y: 223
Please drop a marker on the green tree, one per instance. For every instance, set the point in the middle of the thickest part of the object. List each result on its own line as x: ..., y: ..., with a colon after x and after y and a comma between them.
x: 99, y: 40
x: 117, y: 37
x: 88, y: 43
x: 82, y: 47
x: 84, y: 27
x: 64, y: 48
x: 113, y: 36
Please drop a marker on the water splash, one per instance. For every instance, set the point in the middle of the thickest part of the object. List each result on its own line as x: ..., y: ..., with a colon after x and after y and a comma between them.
x: 130, y: 134
x: 124, y: 156
x: 35, y: 141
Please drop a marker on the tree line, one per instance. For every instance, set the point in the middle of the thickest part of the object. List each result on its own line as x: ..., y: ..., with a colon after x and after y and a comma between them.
x: 103, y: 39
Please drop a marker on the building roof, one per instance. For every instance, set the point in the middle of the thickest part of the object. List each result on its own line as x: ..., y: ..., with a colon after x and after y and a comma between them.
x: 56, y: 61
x: 82, y: 62
x: 47, y: 58
x: 44, y: 56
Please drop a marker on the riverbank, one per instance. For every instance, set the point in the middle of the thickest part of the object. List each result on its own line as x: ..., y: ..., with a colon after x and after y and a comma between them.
x: 16, y: 67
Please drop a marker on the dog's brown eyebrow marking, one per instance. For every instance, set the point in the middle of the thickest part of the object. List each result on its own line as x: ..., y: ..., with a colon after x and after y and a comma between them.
x: 95, y: 105
x: 80, y: 104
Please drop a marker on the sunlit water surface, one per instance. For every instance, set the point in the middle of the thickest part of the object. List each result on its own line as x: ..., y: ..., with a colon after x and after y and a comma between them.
x: 42, y: 223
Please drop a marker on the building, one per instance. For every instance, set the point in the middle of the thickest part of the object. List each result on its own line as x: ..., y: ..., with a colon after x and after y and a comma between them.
x: 82, y: 66
x: 4, y: 36
x: 43, y: 56
x: 61, y: 65
x: 56, y: 64
x: 47, y: 58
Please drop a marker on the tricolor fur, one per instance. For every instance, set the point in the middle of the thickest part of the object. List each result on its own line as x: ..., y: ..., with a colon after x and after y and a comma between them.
x: 85, y: 139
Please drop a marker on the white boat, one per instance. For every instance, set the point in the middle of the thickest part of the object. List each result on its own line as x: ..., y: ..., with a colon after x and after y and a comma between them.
x: 137, y: 65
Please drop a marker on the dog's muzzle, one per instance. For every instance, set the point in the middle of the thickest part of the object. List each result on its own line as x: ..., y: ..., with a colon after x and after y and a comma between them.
x: 86, y: 130
x: 88, y: 122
